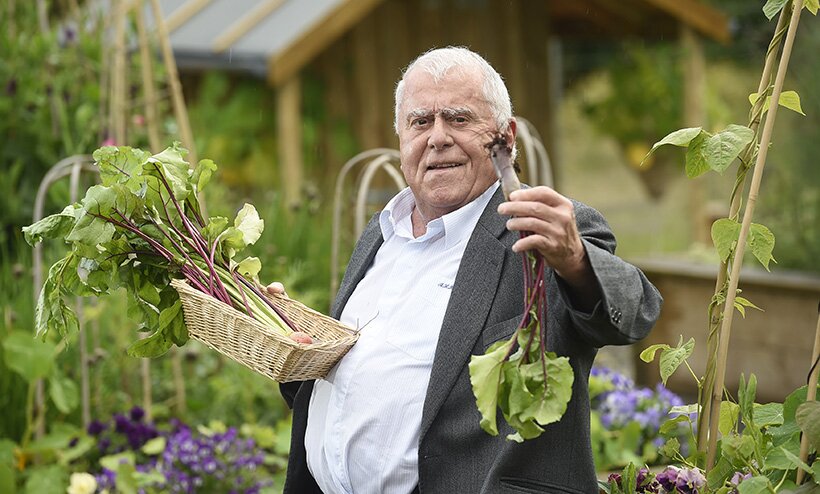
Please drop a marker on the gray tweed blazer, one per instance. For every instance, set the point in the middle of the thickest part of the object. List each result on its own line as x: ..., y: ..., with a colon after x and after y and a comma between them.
x: 486, y: 304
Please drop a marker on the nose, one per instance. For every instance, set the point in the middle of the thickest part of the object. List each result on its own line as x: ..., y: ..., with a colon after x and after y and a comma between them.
x: 440, y: 137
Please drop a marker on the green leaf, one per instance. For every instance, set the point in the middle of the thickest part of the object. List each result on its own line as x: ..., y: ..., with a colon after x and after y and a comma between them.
x: 728, y: 417
x: 788, y: 99
x: 169, y: 314
x: 808, y: 418
x: 28, y: 356
x: 672, y: 358
x: 672, y: 426
x: 112, y: 462
x: 54, y: 226
x: 741, y: 304
x: 755, y: 485
x: 63, y: 392
x: 151, y: 346
x: 777, y: 459
x: 648, y: 355
x: 791, y: 100
x: 721, y: 472
x: 746, y: 396
x: 761, y: 243
x: 249, y: 267
x: 51, y: 312
x: 8, y: 478
x: 202, y: 173
x: 171, y: 166
x: 551, y: 402
x: 722, y: 148
x: 796, y: 461
x: 154, y: 446
x: 813, y: 6
x: 90, y: 230
x: 248, y: 222
x: 725, y: 233
x: 485, y: 378
x: 738, y: 449
x: 671, y: 448
x: 773, y: 7
x: 120, y: 165
x: 768, y: 414
x: 680, y: 138
x: 43, y: 479
x: 696, y: 158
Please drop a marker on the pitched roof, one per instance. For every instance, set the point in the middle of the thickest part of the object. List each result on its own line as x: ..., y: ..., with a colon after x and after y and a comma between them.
x: 276, y: 38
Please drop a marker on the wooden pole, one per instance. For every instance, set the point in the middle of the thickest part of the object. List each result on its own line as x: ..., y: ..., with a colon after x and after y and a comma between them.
x: 694, y: 114
x: 148, y: 86
x: 289, y: 129
x: 178, y: 102
x: 811, y: 393
x: 729, y: 307
x: 118, y: 78
x: 712, y: 337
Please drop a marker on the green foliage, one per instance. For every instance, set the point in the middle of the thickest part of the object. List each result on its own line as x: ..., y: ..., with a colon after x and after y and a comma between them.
x: 671, y: 357
x: 529, y: 395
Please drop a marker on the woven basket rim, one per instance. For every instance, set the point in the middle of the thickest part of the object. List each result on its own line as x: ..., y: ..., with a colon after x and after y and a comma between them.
x: 325, y: 344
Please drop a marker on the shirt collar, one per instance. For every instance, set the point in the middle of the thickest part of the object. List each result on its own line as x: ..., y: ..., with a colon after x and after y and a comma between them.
x: 457, y: 225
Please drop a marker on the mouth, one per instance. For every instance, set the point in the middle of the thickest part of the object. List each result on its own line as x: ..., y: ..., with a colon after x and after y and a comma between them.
x: 442, y: 166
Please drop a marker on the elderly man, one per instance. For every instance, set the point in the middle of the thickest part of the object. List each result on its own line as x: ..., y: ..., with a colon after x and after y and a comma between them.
x: 436, y: 277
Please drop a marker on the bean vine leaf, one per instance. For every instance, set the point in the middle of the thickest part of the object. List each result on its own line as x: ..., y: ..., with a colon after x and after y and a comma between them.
x: 671, y: 357
x: 706, y: 151
x: 788, y: 99
x: 725, y: 234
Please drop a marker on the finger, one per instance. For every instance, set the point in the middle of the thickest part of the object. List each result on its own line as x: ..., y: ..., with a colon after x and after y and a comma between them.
x: 525, y: 208
x: 534, y: 242
x: 530, y: 224
x: 541, y: 194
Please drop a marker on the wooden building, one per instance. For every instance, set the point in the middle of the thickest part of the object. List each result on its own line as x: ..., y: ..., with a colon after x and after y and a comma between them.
x: 359, y: 47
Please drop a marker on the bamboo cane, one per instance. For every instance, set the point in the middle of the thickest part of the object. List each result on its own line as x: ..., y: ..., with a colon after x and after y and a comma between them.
x: 734, y: 208
x: 118, y: 79
x: 728, y: 309
x: 180, y: 110
x: 811, y: 394
x: 148, y: 86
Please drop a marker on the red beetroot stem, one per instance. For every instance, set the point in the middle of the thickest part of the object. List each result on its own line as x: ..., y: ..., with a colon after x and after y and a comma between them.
x: 242, y: 293
x: 276, y: 309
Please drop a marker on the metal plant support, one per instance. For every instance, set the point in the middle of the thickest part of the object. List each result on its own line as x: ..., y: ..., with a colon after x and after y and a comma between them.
x: 375, y: 159
x: 72, y: 166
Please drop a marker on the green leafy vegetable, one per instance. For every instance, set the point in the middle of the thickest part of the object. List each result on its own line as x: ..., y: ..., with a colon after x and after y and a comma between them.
x: 531, y: 386
x: 138, y: 230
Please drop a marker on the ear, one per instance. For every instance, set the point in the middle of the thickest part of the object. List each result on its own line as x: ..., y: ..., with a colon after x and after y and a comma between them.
x: 511, y: 131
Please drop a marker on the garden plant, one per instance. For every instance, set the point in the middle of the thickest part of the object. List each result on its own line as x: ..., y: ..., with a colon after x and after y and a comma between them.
x: 742, y: 446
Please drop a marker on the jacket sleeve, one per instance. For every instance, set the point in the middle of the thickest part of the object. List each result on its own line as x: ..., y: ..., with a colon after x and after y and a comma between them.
x: 629, y: 306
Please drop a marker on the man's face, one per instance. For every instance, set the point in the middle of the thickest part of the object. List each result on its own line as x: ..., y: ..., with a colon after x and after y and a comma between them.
x: 443, y: 128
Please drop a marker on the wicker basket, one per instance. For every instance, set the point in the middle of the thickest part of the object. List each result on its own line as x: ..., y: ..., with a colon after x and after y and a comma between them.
x: 242, y: 338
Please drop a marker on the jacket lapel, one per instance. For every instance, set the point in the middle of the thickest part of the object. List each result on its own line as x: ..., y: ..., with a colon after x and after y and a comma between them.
x: 470, y: 302
x: 360, y: 262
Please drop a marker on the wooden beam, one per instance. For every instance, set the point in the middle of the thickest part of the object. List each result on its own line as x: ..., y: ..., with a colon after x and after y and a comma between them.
x: 244, y: 24
x: 284, y: 64
x: 183, y: 14
x: 704, y: 19
x: 289, y: 130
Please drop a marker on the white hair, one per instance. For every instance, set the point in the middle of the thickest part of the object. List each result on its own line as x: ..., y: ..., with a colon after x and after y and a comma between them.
x: 438, y: 61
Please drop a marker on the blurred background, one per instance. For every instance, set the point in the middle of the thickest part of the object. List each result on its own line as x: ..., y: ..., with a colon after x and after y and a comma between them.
x: 282, y: 94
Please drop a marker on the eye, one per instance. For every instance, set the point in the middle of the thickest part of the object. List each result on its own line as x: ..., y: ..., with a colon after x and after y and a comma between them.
x: 420, y: 122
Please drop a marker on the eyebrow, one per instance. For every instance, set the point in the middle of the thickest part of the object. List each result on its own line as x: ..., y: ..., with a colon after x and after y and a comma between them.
x: 447, y: 113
